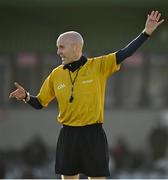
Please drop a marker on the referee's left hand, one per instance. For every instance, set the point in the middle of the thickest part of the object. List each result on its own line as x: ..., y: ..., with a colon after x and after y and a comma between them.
x: 152, y: 22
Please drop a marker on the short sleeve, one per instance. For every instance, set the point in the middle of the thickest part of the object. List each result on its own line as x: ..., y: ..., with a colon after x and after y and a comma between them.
x: 108, y: 64
x: 46, y: 94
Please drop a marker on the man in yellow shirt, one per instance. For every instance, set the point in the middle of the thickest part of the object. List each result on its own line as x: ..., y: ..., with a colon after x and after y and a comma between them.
x: 79, y: 84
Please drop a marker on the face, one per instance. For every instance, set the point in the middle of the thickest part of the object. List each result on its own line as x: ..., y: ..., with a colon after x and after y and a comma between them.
x: 66, y: 50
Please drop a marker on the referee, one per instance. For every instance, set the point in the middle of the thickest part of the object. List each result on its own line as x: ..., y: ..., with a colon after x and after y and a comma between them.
x: 79, y: 87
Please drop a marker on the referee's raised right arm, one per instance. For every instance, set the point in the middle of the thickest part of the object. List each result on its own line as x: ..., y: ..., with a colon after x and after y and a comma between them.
x: 152, y: 23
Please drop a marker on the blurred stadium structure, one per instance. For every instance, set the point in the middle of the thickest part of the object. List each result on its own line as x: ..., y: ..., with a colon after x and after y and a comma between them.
x: 136, y: 96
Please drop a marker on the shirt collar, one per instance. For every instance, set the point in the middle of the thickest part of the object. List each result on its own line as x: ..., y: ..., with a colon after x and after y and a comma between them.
x: 76, y: 64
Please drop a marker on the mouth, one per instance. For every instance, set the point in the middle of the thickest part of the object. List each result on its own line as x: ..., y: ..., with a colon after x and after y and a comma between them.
x: 62, y: 57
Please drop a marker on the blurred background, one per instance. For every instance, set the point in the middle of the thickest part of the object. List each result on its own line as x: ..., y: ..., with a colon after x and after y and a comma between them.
x: 136, y: 106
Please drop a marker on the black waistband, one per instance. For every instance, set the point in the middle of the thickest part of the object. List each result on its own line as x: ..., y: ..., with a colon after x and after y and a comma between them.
x: 83, y: 127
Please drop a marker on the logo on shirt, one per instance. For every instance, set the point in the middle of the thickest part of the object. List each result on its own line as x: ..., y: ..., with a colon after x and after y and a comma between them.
x: 61, y: 86
x: 87, y: 81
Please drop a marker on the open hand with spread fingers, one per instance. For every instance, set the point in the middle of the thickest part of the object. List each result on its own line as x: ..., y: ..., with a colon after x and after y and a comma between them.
x: 19, y: 93
x: 152, y: 22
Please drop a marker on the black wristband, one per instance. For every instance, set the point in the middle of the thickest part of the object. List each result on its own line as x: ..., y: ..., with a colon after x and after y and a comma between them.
x: 146, y: 34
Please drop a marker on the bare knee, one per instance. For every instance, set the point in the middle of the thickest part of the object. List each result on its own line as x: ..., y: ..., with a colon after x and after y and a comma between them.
x: 70, y: 177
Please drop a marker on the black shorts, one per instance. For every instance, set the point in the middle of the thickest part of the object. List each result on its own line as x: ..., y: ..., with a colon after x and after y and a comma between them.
x: 82, y: 150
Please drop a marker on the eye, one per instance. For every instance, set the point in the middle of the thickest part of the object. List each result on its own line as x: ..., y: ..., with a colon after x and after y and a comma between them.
x: 61, y: 47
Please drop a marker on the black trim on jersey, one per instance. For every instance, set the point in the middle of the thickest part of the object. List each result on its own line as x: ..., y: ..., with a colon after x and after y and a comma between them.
x: 76, y: 64
x: 128, y: 50
x: 34, y: 102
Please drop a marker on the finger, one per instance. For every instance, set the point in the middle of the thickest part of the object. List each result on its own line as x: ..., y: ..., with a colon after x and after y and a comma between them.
x: 151, y: 16
x: 16, y: 95
x: 148, y: 17
x: 12, y: 94
x: 160, y: 22
x: 152, y: 13
x: 17, y: 85
x: 155, y: 15
x: 158, y: 17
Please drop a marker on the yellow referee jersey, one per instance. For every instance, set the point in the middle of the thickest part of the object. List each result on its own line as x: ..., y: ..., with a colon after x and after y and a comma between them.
x: 89, y: 91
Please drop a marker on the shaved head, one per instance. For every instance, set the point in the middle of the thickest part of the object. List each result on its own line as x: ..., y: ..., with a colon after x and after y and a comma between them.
x: 70, y: 45
x: 72, y: 36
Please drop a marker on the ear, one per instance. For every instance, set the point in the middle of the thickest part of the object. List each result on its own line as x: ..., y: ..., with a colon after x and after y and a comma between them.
x: 75, y: 47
